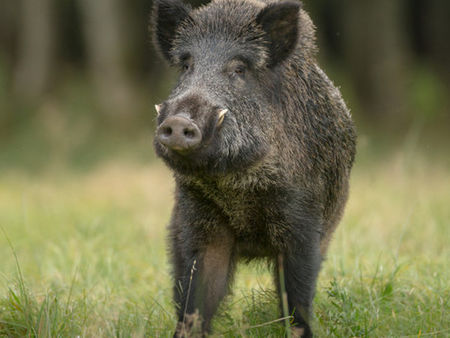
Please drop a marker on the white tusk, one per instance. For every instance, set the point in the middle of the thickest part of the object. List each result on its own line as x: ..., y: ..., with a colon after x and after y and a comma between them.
x: 158, y: 108
x: 221, y: 116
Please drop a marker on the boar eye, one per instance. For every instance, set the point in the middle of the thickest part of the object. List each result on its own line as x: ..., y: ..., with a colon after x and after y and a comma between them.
x: 185, y: 62
x: 236, y: 69
x: 239, y: 70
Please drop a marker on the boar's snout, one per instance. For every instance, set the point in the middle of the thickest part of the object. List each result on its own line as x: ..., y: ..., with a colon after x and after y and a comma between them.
x: 179, y: 133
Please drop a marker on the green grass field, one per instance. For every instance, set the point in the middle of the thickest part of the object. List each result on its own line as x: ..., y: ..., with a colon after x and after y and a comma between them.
x: 82, y: 253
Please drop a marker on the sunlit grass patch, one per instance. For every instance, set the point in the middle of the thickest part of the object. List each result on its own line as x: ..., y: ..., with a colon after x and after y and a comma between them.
x: 92, y: 256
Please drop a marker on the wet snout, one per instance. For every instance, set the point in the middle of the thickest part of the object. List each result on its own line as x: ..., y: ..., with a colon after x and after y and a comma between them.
x: 179, y: 133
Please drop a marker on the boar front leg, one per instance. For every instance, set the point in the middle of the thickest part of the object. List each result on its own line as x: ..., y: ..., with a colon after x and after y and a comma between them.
x: 202, y: 274
x: 299, y: 265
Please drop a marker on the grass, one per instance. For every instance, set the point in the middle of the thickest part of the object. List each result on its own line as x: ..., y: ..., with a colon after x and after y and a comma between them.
x: 83, y: 254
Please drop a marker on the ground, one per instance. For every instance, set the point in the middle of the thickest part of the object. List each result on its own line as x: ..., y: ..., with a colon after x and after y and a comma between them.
x: 83, y: 253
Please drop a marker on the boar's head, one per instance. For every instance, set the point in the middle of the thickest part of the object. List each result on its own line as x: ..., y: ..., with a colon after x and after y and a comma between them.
x: 220, y: 116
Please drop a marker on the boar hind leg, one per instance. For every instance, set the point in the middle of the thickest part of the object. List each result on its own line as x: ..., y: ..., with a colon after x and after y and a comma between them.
x: 299, y: 268
x: 204, y: 281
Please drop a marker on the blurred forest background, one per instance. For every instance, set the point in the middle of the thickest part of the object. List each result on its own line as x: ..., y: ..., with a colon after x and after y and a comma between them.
x: 78, y: 78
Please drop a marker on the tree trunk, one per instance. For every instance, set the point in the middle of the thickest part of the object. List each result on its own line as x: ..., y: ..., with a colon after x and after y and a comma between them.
x: 104, y: 25
x: 35, y: 49
x: 374, y: 49
x: 438, y: 33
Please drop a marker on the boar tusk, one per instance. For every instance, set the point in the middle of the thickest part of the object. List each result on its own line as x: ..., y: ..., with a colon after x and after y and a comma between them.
x: 221, y: 116
x: 158, y: 108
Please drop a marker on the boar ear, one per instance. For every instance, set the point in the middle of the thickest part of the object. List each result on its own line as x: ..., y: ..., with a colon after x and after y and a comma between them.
x: 166, y: 17
x: 280, y: 23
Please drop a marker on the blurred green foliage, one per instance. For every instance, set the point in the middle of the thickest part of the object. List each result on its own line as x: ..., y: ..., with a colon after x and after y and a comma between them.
x: 95, y: 59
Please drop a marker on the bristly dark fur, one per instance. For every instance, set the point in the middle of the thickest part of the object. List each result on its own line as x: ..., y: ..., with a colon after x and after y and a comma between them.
x: 272, y: 179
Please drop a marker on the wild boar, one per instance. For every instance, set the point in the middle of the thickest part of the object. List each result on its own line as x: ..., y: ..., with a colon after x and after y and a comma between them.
x: 261, y: 145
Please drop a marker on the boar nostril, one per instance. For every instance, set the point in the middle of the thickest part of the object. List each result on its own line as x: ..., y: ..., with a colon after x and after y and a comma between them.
x: 167, y: 131
x: 189, y: 133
